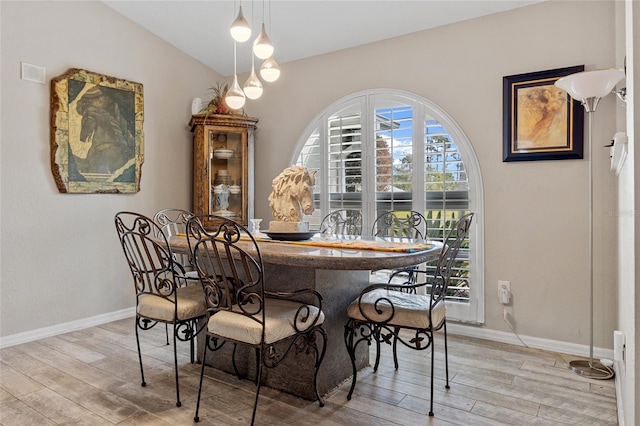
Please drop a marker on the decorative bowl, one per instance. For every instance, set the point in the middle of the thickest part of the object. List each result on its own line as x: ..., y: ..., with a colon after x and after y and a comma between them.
x: 223, y: 153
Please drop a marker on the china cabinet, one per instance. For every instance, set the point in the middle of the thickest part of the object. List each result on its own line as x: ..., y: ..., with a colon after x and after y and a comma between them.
x: 223, y: 161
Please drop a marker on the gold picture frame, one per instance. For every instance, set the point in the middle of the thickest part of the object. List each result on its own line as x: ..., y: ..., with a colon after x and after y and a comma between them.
x: 97, y: 141
x: 541, y: 121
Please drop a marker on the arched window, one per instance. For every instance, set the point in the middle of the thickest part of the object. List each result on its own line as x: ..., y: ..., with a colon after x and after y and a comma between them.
x: 384, y: 150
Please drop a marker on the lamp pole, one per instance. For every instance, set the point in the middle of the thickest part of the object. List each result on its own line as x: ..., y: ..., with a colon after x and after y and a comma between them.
x: 589, y: 87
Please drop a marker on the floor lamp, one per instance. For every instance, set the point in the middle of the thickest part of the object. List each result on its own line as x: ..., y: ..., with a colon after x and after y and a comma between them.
x: 589, y: 87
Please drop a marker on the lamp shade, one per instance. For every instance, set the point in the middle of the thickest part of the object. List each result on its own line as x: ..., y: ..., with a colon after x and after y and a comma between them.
x: 252, y: 87
x: 240, y: 28
x: 590, y: 84
x: 270, y: 71
x: 235, y: 96
x: 262, y: 47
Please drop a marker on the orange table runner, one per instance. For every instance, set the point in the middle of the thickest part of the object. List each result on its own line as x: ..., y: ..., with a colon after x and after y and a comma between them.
x: 392, y: 246
x: 355, y: 244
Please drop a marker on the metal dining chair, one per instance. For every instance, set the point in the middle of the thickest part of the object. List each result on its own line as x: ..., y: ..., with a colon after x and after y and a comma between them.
x: 401, y: 224
x: 161, y: 295
x: 342, y: 222
x: 242, y: 312
x: 173, y: 222
x: 382, y: 311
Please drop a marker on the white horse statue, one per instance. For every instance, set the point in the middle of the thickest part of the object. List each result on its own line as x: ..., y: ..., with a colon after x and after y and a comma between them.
x: 292, y: 194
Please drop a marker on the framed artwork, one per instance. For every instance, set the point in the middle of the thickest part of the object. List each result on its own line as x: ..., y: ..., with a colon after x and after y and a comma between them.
x: 540, y: 120
x: 97, y: 143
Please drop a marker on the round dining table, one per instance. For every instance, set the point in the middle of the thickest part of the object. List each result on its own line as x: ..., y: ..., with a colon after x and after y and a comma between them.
x: 339, y: 269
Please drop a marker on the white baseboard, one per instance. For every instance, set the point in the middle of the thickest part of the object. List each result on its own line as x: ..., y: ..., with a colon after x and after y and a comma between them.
x: 532, y: 342
x: 455, y: 328
x: 29, y: 336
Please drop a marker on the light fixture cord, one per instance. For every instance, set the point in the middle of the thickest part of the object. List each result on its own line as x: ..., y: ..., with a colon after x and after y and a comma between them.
x: 235, y: 73
x: 591, y: 236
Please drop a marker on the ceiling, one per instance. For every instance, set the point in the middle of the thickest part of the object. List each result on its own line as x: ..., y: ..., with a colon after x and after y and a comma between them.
x: 297, y: 28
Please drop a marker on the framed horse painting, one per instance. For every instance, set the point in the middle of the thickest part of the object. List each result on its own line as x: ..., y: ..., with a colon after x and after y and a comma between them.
x: 97, y: 143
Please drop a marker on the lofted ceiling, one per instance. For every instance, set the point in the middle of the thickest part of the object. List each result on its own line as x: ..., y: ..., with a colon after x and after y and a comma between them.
x: 297, y: 28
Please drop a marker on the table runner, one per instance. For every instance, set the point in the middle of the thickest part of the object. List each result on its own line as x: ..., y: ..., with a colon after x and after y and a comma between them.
x: 352, y: 244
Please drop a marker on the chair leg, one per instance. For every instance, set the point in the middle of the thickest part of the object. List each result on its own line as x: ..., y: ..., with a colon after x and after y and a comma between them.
x: 175, y: 364
x: 259, y: 382
x: 396, y: 332
x: 319, y: 362
x: 376, y: 337
x: 233, y: 361
x: 349, y: 332
x: 446, y: 354
x: 204, y: 357
x: 433, y: 357
x: 194, y: 326
x: 166, y: 332
x: 140, y: 354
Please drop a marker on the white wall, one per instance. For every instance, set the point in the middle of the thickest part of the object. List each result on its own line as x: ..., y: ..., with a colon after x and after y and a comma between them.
x: 536, y: 213
x: 61, y: 261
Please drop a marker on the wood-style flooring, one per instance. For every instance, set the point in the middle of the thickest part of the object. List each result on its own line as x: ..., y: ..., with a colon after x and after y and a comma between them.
x: 92, y: 377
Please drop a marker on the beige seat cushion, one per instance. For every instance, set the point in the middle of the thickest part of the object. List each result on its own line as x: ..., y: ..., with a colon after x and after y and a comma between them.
x: 410, y: 310
x: 279, y: 318
x: 191, y: 304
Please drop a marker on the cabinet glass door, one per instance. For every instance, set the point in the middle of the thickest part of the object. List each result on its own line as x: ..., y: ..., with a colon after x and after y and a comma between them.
x: 226, y: 173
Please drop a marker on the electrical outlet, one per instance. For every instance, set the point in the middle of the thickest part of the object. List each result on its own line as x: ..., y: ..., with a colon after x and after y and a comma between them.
x: 504, y: 292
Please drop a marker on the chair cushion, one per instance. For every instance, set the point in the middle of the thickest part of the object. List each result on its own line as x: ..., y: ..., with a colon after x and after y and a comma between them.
x: 191, y: 304
x: 279, y: 318
x: 410, y: 310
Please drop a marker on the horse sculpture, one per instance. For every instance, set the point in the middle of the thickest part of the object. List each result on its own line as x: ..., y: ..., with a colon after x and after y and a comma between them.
x: 292, y: 194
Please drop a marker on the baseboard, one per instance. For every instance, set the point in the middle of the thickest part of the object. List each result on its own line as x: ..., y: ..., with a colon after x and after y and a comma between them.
x: 29, y: 336
x: 454, y: 328
x: 532, y: 342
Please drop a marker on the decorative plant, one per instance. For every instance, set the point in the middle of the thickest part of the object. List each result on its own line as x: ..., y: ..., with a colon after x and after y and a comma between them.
x: 217, y: 105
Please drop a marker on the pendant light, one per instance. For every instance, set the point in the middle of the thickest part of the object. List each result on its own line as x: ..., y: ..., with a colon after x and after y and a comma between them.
x: 252, y: 87
x: 240, y: 28
x: 262, y: 46
x: 235, y: 98
x: 270, y: 71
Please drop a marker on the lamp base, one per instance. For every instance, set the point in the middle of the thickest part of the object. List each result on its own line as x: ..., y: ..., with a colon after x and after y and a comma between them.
x: 591, y: 369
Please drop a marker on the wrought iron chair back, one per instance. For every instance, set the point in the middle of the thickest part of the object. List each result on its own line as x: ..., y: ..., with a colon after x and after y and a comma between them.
x: 240, y: 310
x: 381, y: 311
x: 342, y: 222
x: 400, y: 224
x: 173, y: 222
x: 447, y: 258
x: 161, y: 296
x: 231, y: 277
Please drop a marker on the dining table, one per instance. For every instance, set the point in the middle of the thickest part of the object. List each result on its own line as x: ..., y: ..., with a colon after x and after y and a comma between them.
x: 339, y: 268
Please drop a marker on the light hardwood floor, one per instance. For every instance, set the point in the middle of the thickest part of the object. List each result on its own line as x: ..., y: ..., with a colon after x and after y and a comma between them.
x: 92, y: 377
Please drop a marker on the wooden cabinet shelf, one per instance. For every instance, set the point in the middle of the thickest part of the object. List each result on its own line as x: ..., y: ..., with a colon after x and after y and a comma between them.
x: 223, y: 161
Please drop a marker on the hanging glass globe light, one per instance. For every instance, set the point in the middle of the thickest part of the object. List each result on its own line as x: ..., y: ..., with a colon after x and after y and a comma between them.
x: 270, y: 71
x: 240, y: 28
x: 235, y: 98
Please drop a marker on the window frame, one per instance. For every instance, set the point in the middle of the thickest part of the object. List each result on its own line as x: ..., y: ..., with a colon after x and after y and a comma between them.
x: 423, y: 108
